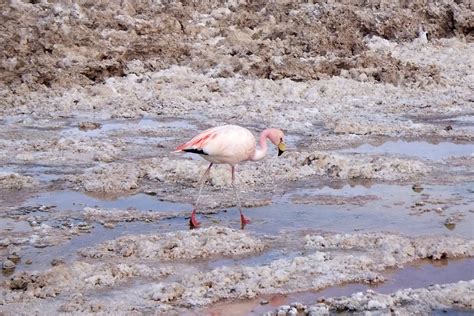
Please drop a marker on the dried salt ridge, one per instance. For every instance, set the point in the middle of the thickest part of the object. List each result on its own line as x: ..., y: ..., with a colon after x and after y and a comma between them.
x: 394, y: 250
x: 311, y: 272
x: 117, y: 177
x: 15, y: 181
x: 76, y: 277
x: 56, y: 150
x: 457, y: 296
x: 202, y: 243
x: 117, y: 215
x: 315, y: 271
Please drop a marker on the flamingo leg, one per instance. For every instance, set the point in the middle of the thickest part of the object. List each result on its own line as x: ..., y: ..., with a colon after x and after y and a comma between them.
x: 193, y: 222
x: 243, y: 220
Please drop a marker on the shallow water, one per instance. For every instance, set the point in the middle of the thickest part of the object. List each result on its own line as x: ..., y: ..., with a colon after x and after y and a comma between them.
x: 418, y: 149
x: 392, y: 211
x: 42, y: 257
x: 76, y: 201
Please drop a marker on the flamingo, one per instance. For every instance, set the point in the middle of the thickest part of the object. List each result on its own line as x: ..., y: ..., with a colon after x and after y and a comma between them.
x: 229, y: 144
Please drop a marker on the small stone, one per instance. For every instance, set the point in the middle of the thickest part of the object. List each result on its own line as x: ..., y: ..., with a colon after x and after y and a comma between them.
x: 299, y: 306
x: 14, y: 257
x: 285, y: 307
x: 84, y: 227
x: 292, y: 312
x: 84, y: 126
x: 57, y: 262
x: 448, y: 128
x: 5, y: 242
x: 41, y: 245
x: 450, y: 226
x: 109, y: 225
x: 28, y: 261
x: 363, y: 77
x: 417, y: 188
x: 420, y: 203
x: 8, y: 265
x: 18, y: 283
x: 264, y: 302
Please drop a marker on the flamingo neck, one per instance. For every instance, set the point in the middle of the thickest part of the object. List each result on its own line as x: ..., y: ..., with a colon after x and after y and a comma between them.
x: 261, y: 151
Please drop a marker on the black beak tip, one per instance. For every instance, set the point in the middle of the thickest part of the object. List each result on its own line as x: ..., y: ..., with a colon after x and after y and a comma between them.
x: 280, y: 152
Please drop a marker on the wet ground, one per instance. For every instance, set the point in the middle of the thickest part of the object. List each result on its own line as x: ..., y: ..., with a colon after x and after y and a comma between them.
x: 52, y: 221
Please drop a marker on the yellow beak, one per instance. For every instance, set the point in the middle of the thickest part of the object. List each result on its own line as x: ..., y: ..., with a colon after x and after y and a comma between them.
x: 281, y: 148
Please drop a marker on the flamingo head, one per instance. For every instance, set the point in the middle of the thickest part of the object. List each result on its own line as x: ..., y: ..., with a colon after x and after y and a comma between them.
x: 276, y: 137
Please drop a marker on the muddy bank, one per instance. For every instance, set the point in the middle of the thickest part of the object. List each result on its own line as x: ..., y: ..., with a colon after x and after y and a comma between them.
x: 55, y: 45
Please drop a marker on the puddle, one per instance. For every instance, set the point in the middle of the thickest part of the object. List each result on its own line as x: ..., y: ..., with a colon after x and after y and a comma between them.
x: 107, y: 127
x: 13, y: 226
x: 464, y: 121
x: 76, y: 201
x: 421, y: 274
x: 419, y: 149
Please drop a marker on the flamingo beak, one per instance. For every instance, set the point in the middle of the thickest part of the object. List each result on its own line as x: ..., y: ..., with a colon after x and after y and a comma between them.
x: 281, y: 148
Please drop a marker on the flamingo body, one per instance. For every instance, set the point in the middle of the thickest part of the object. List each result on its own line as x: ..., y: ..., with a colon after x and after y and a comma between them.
x: 229, y: 144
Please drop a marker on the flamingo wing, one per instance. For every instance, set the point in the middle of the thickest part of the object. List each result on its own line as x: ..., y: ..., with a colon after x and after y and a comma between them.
x: 198, y: 143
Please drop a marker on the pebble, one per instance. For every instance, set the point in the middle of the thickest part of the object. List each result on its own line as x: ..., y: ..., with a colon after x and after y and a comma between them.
x: 18, y: 283
x: 14, y: 257
x: 264, y: 302
x: 417, y: 188
x: 298, y: 306
x: 28, y: 261
x: 8, y: 265
x: 5, y: 242
x: 41, y: 245
x: 109, y: 225
x: 84, y: 227
x: 450, y: 223
x: 285, y: 307
x: 57, y: 262
x: 84, y: 126
x: 292, y: 312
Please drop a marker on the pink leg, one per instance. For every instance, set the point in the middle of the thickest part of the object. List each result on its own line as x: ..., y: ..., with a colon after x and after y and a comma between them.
x: 193, y: 222
x: 243, y: 220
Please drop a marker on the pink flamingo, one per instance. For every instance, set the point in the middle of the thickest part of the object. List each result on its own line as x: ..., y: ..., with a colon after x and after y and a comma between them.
x: 229, y: 144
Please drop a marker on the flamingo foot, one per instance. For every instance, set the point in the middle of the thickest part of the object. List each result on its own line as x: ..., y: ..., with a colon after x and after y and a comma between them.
x: 243, y: 220
x: 193, y: 222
